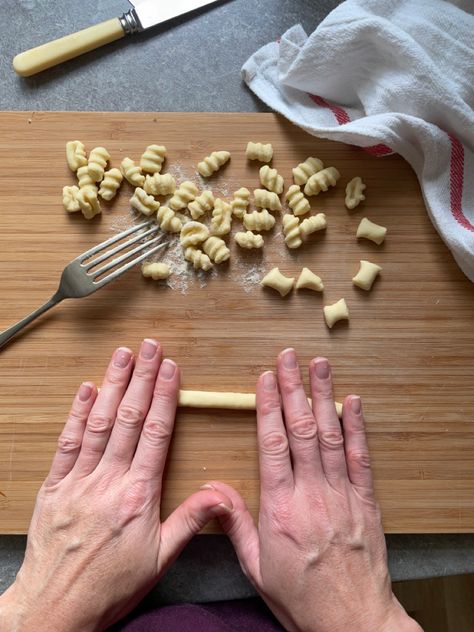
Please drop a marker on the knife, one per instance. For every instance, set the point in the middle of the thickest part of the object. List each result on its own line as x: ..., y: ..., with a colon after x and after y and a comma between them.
x: 144, y: 15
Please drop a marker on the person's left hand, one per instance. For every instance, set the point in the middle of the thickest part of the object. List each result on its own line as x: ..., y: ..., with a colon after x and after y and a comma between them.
x: 96, y: 545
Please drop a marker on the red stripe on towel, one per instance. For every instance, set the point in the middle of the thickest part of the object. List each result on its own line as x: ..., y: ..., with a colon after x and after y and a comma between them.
x: 457, y: 183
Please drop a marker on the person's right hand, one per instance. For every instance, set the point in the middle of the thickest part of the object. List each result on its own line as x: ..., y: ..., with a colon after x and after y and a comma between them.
x: 318, y: 556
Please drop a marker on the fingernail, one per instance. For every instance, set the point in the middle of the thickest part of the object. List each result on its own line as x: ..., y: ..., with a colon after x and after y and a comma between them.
x: 168, y: 369
x: 322, y: 369
x: 356, y: 405
x: 85, y: 392
x: 122, y: 357
x: 289, y: 359
x: 208, y: 486
x: 269, y: 381
x: 148, y: 349
x: 225, y: 507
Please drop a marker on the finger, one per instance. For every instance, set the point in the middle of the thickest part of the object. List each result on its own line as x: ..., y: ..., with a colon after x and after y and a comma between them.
x: 356, y: 448
x: 300, y: 423
x: 103, y: 413
x: 150, y: 456
x: 274, y: 455
x: 134, y: 406
x: 239, y: 526
x: 70, y: 439
x: 331, y: 441
x: 186, y: 521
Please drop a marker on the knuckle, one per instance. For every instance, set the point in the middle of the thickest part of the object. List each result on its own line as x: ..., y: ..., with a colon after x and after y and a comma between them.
x: 360, y: 458
x: 116, y: 377
x: 303, y: 426
x: 331, y: 439
x: 68, y: 444
x: 324, y: 391
x: 291, y: 384
x: 165, y: 396
x: 157, y: 431
x: 99, y: 423
x: 269, y: 407
x: 129, y: 416
x: 275, y: 443
x: 145, y: 373
x: 76, y: 417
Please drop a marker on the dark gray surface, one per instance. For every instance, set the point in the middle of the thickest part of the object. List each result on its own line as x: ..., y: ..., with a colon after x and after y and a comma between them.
x: 191, y: 65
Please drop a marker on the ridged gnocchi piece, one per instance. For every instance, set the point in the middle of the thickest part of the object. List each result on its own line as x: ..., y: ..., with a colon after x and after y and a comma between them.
x: 216, y: 249
x: 297, y: 201
x: 84, y: 179
x: 259, y: 221
x: 221, y: 221
x: 158, y: 184
x: 355, y: 193
x: 98, y: 159
x: 263, y: 152
x: 89, y: 202
x: 144, y: 203
x: 369, y: 230
x: 271, y: 179
x: 199, y: 260
x: 306, y: 169
x: 110, y: 184
x: 291, y: 231
x: 309, y: 281
x: 156, y: 271
x: 322, y: 180
x: 277, y: 281
x: 201, y: 205
x: 153, y: 158
x: 267, y: 199
x: 249, y: 240
x: 367, y: 274
x: 240, y: 202
x: 312, y: 224
x: 335, y: 312
x: 213, y: 163
x: 168, y: 221
x: 70, y: 202
x: 76, y: 155
x: 184, y: 194
x: 132, y: 172
x: 193, y: 233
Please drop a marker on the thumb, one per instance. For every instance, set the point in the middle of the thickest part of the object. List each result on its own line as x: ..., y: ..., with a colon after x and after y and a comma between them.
x: 187, y: 520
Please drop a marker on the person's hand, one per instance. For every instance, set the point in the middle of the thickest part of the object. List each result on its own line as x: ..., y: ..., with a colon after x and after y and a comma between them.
x: 318, y: 556
x: 95, y: 544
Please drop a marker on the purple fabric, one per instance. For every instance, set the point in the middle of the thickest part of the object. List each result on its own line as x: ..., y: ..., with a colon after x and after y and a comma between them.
x: 249, y: 615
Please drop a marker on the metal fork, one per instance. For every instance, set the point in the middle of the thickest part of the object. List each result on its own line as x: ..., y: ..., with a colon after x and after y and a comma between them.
x: 78, y: 279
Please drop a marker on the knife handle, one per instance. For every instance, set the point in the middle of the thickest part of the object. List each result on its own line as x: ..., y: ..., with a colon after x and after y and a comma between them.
x: 42, y: 57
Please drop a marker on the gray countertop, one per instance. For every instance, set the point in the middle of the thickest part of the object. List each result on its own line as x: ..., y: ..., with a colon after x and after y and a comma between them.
x: 192, y: 64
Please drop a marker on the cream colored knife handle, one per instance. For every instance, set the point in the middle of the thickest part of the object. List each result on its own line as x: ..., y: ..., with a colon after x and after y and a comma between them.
x: 37, y: 59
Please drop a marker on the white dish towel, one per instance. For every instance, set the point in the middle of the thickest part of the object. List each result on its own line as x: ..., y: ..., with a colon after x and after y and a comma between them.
x: 389, y: 76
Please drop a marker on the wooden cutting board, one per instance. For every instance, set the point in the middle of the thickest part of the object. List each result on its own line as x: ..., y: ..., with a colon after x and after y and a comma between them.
x: 408, y: 349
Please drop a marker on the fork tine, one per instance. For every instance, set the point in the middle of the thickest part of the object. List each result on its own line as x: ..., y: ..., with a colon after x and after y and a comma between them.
x: 113, y: 240
x: 116, y: 273
x: 109, y: 253
x: 124, y: 257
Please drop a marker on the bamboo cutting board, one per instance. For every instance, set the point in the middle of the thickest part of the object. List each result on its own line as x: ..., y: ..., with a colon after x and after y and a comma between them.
x: 408, y: 349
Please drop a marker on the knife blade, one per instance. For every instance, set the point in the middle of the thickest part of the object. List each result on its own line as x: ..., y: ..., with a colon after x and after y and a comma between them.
x: 144, y: 15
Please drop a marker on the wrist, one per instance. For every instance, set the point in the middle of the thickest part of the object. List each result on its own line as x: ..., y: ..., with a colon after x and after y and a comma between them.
x: 400, y: 621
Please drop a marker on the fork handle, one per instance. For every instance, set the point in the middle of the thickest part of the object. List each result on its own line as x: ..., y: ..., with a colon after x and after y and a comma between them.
x: 8, y: 334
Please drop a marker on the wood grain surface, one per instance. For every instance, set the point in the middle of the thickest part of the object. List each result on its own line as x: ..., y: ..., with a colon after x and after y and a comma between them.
x: 408, y: 349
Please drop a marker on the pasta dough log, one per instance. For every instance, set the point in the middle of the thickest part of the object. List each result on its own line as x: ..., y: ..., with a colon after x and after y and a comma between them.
x: 367, y: 274
x: 201, y: 205
x: 144, y: 203
x: 89, y: 202
x: 322, y: 180
x: 98, y: 159
x: 297, y: 201
x: 369, y: 230
x: 213, y: 163
x: 291, y: 231
x: 158, y: 184
x: 309, y: 281
x: 271, y: 179
x: 259, y: 151
x: 84, y: 179
x: 153, y: 158
x: 335, y: 312
x: 240, y: 202
x: 216, y: 249
x: 277, y: 281
x: 199, y: 260
x: 132, y: 172
x: 168, y: 221
x: 221, y: 221
x: 313, y: 224
x: 259, y: 221
x: 249, y: 240
x: 75, y: 155
x: 193, y: 233
x: 306, y: 169
x: 156, y: 271
x: 355, y: 193
x: 267, y: 199
x: 184, y: 194
x: 110, y: 184
x: 70, y: 202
